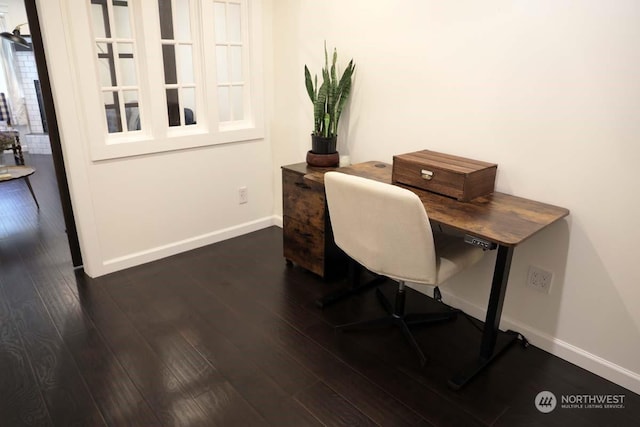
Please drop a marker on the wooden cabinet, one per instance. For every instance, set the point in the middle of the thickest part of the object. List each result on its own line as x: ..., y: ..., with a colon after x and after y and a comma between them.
x: 307, y: 237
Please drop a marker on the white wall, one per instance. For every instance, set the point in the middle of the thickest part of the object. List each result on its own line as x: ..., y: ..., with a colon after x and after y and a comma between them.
x: 136, y: 209
x: 548, y: 90
x: 16, y: 15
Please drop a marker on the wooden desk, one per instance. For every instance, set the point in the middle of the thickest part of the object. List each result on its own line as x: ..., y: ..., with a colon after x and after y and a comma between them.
x: 498, y: 218
x: 501, y: 218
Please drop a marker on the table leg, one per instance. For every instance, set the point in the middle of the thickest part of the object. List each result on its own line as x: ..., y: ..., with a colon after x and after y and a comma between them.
x: 488, y: 350
x: 26, y: 179
x: 16, y: 147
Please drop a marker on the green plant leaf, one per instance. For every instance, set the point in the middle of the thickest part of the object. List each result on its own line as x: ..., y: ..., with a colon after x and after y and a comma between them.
x: 326, y: 58
x: 329, y: 99
x: 319, y: 109
x: 344, y: 88
x: 333, y: 65
x: 327, y: 121
x: 309, y: 84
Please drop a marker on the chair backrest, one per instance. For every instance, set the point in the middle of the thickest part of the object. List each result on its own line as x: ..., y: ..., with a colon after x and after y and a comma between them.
x: 383, y: 227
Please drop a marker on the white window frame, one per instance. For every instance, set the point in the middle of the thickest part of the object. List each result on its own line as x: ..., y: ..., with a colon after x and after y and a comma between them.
x: 155, y: 134
x: 119, y: 88
x: 230, y: 131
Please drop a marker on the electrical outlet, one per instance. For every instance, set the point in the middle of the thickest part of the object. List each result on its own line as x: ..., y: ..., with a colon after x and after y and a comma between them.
x: 539, y: 279
x: 243, y: 195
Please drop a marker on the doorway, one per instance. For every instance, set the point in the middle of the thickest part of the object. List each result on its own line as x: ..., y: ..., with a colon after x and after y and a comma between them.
x: 37, y: 121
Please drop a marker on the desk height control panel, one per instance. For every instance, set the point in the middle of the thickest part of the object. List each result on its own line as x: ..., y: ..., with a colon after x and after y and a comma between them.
x: 482, y: 243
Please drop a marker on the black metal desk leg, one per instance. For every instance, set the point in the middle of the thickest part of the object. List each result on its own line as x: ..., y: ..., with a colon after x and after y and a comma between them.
x: 496, y: 299
x: 488, y: 350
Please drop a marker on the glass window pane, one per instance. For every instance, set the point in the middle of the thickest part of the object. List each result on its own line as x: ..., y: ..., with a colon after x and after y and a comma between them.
x: 224, y: 111
x: 222, y: 65
x: 189, y: 103
x: 125, y: 48
x: 236, y: 63
x: 127, y: 64
x: 169, y: 58
x: 185, y: 58
x: 234, y: 29
x: 220, y: 15
x: 105, y: 65
x: 99, y: 14
x: 173, y: 107
x: 237, y: 102
x: 112, y: 110
x: 121, y: 23
x: 132, y: 110
x: 182, y: 26
x: 166, y: 19
x: 106, y: 77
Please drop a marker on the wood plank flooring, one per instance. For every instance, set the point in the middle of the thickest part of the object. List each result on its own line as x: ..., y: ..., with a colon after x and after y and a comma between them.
x: 227, y: 335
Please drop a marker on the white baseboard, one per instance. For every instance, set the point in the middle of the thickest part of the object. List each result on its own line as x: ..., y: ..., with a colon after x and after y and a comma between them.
x: 153, y: 254
x: 580, y: 357
x: 277, y: 220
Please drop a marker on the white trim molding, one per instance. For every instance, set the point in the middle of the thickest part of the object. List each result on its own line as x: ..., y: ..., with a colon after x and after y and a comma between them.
x: 578, y: 356
x: 159, y: 252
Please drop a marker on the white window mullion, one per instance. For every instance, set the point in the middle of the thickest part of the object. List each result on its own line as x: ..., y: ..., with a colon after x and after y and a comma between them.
x: 180, y: 100
x: 112, y: 29
x: 253, y: 64
x: 246, y: 65
x: 210, y: 77
x: 151, y: 59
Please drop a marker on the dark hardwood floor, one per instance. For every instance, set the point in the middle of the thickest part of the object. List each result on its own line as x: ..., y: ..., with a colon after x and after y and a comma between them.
x: 227, y: 335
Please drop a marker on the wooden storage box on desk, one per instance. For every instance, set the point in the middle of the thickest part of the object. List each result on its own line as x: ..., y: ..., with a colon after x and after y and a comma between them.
x: 458, y: 177
x: 307, y: 235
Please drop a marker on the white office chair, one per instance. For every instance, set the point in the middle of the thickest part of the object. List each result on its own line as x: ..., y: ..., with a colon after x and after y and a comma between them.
x: 386, y: 229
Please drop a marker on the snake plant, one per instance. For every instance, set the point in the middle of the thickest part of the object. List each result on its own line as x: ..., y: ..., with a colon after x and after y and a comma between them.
x: 329, y: 99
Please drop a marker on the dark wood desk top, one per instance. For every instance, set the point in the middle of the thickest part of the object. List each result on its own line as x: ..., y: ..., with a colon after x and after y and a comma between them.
x: 501, y: 218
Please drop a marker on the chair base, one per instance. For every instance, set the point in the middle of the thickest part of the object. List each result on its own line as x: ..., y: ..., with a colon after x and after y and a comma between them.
x: 345, y: 293
x: 356, y: 286
x: 398, y: 318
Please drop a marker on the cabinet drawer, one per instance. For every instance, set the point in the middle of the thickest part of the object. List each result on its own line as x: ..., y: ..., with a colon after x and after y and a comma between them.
x: 304, y: 245
x: 440, y: 180
x: 302, y: 201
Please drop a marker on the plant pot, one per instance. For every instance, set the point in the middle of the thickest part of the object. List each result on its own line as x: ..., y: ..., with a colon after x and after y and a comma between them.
x: 323, y: 160
x: 322, y: 145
